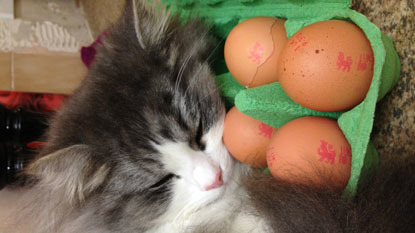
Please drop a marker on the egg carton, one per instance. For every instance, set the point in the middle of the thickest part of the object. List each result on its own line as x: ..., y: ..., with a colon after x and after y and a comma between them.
x: 269, y: 103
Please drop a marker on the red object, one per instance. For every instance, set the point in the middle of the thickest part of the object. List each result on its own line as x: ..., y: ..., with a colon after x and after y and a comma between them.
x: 32, y: 101
x: 35, y: 145
x: 88, y: 53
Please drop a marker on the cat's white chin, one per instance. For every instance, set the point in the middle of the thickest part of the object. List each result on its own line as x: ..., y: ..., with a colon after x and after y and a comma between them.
x: 190, y: 206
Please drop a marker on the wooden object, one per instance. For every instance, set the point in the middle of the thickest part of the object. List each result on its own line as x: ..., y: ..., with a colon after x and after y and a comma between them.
x: 5, y: 71
x: 51, y: 72
x: 47, y: 73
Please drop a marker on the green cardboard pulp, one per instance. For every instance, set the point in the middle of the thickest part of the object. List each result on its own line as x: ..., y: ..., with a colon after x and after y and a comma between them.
x: 269, y: 103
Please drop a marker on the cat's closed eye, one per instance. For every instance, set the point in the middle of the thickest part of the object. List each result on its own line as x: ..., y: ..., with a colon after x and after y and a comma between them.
x: 199, y: 134
x: 163, y: 181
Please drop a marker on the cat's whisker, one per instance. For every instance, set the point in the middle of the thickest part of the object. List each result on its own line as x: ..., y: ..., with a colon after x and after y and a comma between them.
x: 185, y: 63
x: 192, y: 81
x: 180, y: 74
x: 203, y: 98
x: 188, y: 208
x: 214, y: 49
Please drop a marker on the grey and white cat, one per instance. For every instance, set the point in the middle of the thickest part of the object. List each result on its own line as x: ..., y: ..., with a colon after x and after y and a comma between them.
x: 138, y: 148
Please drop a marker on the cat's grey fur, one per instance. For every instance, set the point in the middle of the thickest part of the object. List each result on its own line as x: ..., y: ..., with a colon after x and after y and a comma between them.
x: 116, y: 153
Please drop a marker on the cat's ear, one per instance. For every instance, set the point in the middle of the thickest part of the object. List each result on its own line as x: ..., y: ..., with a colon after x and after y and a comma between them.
x: 74, y: 171
x: 150, y: 22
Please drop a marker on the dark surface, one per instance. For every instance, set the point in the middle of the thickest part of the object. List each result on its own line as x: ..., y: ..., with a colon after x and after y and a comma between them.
x: 394, y: 128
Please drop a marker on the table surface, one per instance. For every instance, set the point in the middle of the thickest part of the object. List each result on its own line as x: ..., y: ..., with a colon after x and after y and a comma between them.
x: 394, y: 126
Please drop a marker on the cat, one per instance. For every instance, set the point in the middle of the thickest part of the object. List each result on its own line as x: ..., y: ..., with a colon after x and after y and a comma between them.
x: 138, y: 148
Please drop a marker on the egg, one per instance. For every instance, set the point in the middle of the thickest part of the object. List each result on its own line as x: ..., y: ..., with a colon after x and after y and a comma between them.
x: 246, y: 138
x: 310, y: 150
x: 252, y: 50
x: 327, y: 66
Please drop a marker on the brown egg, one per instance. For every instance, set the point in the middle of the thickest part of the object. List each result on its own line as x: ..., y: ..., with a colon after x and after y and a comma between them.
x: 327, y: 66
x: 312, y: 151
x: 246, y: 138
x: 252, y: 50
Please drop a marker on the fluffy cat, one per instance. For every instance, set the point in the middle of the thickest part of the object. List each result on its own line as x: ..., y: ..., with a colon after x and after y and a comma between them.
x: 138, y: 148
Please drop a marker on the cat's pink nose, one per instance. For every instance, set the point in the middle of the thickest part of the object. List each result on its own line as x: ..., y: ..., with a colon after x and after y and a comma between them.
x: 216, y: 183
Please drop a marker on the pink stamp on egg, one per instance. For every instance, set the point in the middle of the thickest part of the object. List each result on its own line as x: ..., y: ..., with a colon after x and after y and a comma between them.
x: 298, y: 42
x: 265, y: 130
x: 345, y: 155
x: 365, y: 60
x: 256, y: 53
x: 271, y: 158
x: 326, y: 152
x: 344, y: 63
x: 361, y: 65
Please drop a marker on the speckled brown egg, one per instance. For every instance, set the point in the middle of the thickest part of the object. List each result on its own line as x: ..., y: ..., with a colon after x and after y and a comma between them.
x: 327, y: 66
x: 312, y: 151
x: 252, y: 50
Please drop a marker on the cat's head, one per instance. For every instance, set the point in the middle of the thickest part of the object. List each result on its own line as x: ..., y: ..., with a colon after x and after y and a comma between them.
x: 148, y: 116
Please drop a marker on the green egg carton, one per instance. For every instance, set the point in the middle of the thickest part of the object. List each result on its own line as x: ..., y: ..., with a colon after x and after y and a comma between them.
x: 269, y: 103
